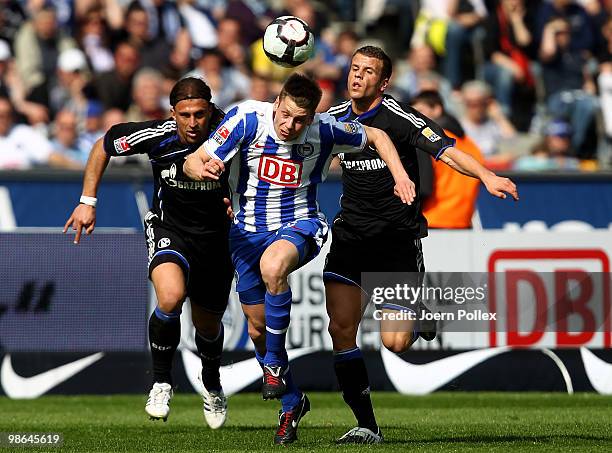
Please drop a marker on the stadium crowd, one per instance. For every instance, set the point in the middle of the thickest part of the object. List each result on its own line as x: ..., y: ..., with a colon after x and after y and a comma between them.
x: 529, y: 80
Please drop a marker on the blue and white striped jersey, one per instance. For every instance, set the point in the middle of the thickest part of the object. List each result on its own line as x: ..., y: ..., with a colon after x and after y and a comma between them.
x: 273, y: 181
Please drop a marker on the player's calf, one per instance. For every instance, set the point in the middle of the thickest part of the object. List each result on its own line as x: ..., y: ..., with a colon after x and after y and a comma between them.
x: 398, y: 342
x: 397, y: 327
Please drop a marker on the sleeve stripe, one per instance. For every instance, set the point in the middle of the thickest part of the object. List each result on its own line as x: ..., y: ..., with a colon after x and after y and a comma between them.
x: 338, y: 108
x: 151, y: 132
x: 418, y: 122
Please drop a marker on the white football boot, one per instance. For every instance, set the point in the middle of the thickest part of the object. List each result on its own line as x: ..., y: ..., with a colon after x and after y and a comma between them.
x: 359, y: 435
x: 214, y: 405
x: 158, y: 404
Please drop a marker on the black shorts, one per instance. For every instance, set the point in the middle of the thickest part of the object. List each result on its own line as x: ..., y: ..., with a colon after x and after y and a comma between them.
x: 349, y: 257
x: 205, y: 260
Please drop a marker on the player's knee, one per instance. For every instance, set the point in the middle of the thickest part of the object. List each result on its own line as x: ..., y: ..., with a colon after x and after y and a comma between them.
x: 273, y: 275
x: 341, y: 334
x: 170, y: 299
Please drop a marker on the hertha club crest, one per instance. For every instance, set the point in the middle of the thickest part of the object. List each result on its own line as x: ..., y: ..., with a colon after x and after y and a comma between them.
x: 305, y: 149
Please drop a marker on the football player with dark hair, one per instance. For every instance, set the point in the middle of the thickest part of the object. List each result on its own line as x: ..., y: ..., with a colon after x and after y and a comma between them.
x: 375, y: 232
x: 186, y: 233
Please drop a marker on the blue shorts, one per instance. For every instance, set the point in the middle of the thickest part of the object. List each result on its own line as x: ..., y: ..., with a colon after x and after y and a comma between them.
x: 246, y: 249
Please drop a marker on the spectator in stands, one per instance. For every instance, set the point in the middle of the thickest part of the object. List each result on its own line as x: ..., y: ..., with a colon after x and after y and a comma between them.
x: 570, y: 89
x: 345, y: 43
x: 11, y: 86
x: 553, y: 153
x: 484, y: 120
x: 466, y: 16
x: 605, y: 84
x: 147, y: 96
x: 72, y: 77
x: 5, y: 63
x: 229, y: 44
x: 93, y: 36
x: 37, y: 47
x: 451, y: 196
x: 155, y: 50
x: 93, y: 125
x: 421, y: 63
x: 114, y: 88
x: 164, y: 20
x: 21, y: 146
x: 581, y: 27
x: 507, y: 49
x: 65, y: 140
x: 253, y: 16
x: 12, y: 17
x: 226, y: 83
x: 199, y: 24
x: 111, y: 117
x: 431, y: 25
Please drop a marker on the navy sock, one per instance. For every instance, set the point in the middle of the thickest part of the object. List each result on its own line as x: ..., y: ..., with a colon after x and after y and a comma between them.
x: 164, y: 338
x: 293, y: 395
x: 278, y: 315
x: 210, y: 350
x: 353, y: 381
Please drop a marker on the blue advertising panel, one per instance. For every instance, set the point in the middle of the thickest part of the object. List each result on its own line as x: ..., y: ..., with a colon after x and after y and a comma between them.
x: 47, y: 202
x: 58, y: 296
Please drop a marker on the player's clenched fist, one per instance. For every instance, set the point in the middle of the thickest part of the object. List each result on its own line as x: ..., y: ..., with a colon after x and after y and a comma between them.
x: 194, y: 167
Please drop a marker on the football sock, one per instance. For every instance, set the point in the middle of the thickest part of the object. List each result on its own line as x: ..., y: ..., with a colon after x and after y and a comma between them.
x: 260, y: 357
x: 278, y: 315
x: 293, y: 395
x: 353, y: 381
x: 210, y: 350
x: 164, y: 338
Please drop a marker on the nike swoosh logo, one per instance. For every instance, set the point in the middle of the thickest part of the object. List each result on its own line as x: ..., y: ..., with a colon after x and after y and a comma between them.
x: 411, y: 379
x: 598, y: 371
x: 16, y: 386
x: 236, y: 376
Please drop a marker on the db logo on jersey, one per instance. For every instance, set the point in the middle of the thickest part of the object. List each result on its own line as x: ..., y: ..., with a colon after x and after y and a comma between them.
x: 121, y: 145
x: 279, y: 171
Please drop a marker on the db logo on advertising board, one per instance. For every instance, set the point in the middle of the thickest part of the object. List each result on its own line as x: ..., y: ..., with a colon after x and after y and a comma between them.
x: 550, y: 298
x: 282, y: 172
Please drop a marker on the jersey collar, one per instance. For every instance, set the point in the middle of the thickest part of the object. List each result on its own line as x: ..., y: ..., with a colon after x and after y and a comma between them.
x: 364, y: 116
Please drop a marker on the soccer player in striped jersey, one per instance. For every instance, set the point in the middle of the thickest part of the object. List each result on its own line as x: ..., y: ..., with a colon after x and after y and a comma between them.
x: 280, y: 152
x: 186, y: 235
x: 374, y: 233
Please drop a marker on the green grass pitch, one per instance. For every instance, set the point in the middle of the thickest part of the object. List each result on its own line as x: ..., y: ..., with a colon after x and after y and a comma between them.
x: 440, y: 422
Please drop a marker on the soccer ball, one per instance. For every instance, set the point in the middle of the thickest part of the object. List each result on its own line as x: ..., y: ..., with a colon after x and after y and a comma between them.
x: 288, y: 41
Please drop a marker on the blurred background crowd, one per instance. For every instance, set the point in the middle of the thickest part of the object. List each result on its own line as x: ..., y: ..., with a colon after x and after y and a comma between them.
x: 529, y: 81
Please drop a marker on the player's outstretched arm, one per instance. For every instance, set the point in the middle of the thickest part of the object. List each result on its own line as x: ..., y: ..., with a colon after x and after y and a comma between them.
x: 404, y: 187
x: 84, y: 215
x: 466, y: 164
x: 199, y: 166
